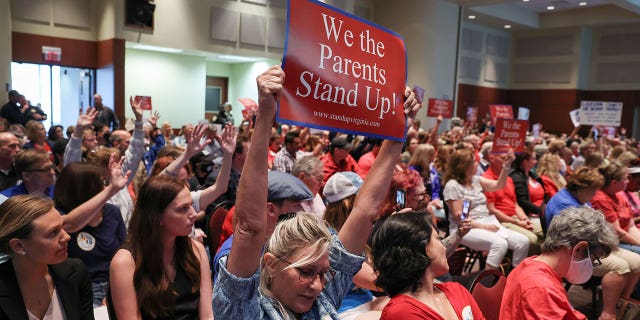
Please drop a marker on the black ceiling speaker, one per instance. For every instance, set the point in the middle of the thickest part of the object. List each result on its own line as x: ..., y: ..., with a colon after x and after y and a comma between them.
x: 140, y: 13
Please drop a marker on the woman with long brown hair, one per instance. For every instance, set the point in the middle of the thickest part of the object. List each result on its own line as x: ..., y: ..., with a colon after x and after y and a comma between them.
x: 160, y: 272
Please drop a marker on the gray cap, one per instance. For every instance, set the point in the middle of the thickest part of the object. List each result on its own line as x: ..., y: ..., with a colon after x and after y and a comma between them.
x: 284, y: 186
x: 341, y: 185
x: 341, y: 142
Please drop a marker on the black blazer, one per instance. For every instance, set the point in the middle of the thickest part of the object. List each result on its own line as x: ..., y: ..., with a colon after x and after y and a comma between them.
x: 72, y: 284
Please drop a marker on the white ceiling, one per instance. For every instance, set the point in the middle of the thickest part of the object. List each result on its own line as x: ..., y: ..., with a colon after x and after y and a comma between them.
x: 533, y: 14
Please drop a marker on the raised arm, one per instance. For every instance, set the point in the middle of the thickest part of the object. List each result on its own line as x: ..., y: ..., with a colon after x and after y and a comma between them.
x: 73, y: 150
x: 433, y: 135
x: 250, y: 218
x: 356, y: 229
x: 228, y: 144
x: 489, y: 185
x: 194, y: 145
x: 79, y: 217
x: 135, y: 151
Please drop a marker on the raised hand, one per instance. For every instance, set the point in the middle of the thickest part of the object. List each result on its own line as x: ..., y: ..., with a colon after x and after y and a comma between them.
x: 117, y: 178
x: 85, y: 120
x: 153, y: 120
x: 135, y: 107
x: 269, y: 88
x: 228, y: 138
x: 195, y: 143
x: 411, y: 104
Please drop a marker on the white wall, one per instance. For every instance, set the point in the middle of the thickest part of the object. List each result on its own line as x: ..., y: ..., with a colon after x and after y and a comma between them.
x: 176, y: 84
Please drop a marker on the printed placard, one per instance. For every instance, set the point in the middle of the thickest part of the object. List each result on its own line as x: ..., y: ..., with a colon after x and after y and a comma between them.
x: 343, y: 73
x: 510, y: 135
x: 500, y: 111
x: 537, y: 128
x: 472, y: 114
x: 523, y: 113
x: 440, y: 107
x: 600, y: 113
x: 419, y: 92
x: 145, y: 102
x: 575, y: 117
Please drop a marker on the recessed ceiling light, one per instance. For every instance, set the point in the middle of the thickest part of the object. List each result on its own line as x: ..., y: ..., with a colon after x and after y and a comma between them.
x: 507, y: 26
x: 472, y: 17
x: 550, y: 7
x: 525, y: 0
x: 582, y: 3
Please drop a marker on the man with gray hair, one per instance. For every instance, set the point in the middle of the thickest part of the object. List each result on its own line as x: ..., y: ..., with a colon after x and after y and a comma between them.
x: 576, y: 241
x: 309, y: 170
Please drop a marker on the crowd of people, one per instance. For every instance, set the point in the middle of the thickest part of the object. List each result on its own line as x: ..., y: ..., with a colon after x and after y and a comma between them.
x: 318, y: 224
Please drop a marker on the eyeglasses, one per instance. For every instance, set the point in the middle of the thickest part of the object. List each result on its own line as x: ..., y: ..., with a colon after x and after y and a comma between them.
x: 307, y: 275
x: 596, y: 262
x: 45, y: 169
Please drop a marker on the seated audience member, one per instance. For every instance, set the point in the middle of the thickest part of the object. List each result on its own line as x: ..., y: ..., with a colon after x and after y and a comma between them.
x: 340, y: 192
x: 9, y: 147
x: 181, y: 140
x: 594, y: 160
x: 548, y: 171
x: 275, y: 143
x: 338, y: 158
x: 576, y: 241
x: 37, y: 137
x: 415, y: 194
x: 620, y: 271
x: 97, y: 241
x: 37, y: 174
x: 55, y: 133
x: 39, y: 282
x: 631, y: 192
x: 503, y: 204
x: 486, y: 234
x: 288, y: 154
x: 309, y: 170
x: 422, y: 161
x: 303, y: 270
x: 160, y: 272
x: 366, y: 160
x: 586, y: 148
x: 614, y: 205
x: 410, y: 237
x: 530, y: 191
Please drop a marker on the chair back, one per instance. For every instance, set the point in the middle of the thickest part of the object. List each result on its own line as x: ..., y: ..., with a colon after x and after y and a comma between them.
x: 487, y: 289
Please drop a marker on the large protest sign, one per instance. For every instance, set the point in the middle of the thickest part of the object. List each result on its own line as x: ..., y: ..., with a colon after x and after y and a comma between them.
x: 145, y: 102
x: 440, y: 107
x: 510, y: 135
x: 600, y: 113
x: 575, y: 117
x: 342, y: 73
x: 500, y: 111
x: 523, y: 113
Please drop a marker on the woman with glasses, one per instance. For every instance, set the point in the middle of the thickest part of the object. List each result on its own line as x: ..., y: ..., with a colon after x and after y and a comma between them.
x: 576, y: 241
x: 304, y: 270
x: 411, y: 238
x: 486, y: 234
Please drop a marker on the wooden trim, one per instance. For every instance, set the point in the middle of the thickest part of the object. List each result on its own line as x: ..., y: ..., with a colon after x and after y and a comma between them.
x: 75, y: 53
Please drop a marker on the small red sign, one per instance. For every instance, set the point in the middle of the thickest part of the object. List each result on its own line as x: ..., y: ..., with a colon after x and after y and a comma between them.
x: 440, y: 107
x: 500, y: 111
x: 509, y: 135
x: 342, y: 73
x: 145, y: 102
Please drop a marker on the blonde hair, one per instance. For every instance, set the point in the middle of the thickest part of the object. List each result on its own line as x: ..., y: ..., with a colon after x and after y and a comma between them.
x: 304, y: 231
x: 422, y: 157
x: 16, y: 215
x: 100, y: 157
x: 548, y: 166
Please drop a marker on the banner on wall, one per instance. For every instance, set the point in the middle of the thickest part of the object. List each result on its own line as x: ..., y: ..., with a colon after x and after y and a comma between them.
x: 509, y: 135
x: 600, y: 113
x: 343, y: 73
x: 440, y: 107
x: 500, y: 111
x: 145, y: 102
x: 472, y: 114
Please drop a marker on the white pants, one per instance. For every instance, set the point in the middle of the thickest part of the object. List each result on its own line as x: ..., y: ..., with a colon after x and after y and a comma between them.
x: 497, y: 243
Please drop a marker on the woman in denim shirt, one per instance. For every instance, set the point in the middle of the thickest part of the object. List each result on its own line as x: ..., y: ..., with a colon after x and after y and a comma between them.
x: 304, y: 271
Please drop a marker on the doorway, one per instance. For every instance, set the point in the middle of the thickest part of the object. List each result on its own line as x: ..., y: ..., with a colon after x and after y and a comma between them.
x: 60, y: 91
x: 217, y: 93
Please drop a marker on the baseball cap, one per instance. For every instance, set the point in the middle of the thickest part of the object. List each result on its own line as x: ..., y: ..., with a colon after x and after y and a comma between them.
x: 341, y: 142
x: 283, y: 186
x: 341, y: 185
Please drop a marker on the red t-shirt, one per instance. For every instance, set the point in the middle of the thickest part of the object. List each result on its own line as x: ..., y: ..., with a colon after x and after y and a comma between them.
x: 227, y: 227
x: 613, y: 209
x: 405, y: 307
x: 534, y: 291
x: 550, y: 188
x: 505, y: 200
x: 536, y: 192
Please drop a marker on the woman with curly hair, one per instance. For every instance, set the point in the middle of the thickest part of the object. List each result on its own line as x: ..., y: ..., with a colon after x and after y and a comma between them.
x: 410, y: 237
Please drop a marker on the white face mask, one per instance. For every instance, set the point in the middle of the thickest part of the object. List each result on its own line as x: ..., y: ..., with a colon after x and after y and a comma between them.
x: 580, y: 271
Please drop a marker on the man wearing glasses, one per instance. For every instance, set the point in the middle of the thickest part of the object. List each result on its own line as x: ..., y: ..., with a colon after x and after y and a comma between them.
x: 576, y: 241
x: 37, y: 174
